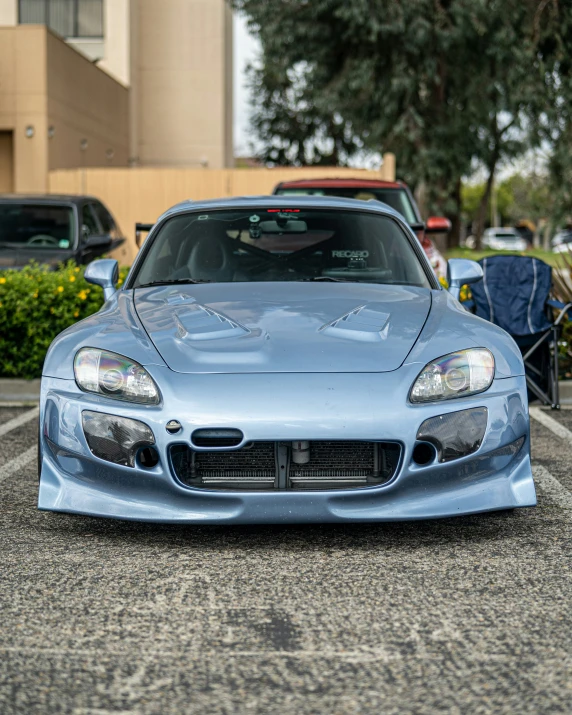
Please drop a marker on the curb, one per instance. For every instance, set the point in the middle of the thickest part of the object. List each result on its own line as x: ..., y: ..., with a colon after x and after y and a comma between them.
x: 15, y: 390
x: 565, y: 388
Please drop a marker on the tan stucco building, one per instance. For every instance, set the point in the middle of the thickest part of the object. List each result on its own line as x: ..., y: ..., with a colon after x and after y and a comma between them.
x: 113, y: 83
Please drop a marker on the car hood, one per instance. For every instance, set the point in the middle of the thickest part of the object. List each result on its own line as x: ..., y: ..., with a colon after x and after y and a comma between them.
x: 283, y: 327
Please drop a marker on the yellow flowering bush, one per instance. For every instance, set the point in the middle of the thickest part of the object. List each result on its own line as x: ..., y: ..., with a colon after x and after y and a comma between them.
x: 35, y: 305
x: 465, y: 293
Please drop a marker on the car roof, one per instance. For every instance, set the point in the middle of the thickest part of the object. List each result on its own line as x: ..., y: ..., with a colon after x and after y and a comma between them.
x: 254, y: 202
x: 46, y: 198
x: 340, y: 184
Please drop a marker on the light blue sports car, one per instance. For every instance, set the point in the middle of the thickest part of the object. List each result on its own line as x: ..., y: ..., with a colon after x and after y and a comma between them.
x: 281, y: 360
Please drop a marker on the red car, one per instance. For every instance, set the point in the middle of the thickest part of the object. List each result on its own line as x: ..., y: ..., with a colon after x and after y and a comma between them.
x: 393, y: 193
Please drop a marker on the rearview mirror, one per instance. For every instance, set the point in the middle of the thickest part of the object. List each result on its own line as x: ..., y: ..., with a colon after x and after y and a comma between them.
x: 289, y: 226
x: 460, y: 272
x: 104, y: 273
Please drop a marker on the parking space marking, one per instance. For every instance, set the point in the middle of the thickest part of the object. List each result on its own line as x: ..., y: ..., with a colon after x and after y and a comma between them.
x: 365, y: 653
x: 18, y: 462
x: 550, y: 423
x: 551, y: 487
x: 19, y: 421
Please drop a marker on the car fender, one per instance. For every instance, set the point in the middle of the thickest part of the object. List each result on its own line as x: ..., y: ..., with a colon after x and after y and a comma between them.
x: 449, y: 328
x: 116, y: 327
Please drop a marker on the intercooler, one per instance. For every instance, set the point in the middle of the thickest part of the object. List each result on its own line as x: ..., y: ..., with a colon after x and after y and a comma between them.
x: 273, y: 465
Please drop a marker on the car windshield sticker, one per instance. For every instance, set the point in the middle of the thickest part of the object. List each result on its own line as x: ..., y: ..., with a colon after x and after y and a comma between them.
x: 350, y: 254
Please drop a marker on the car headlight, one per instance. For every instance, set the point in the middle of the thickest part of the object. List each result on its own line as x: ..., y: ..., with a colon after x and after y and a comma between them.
x: 114, y: 376
x: 455, y: 375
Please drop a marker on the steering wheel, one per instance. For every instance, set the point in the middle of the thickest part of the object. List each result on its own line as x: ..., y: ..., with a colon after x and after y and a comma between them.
x: 43, y: 239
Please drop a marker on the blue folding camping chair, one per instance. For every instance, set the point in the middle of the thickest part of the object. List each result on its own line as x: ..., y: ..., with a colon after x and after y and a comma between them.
x: 515, y: 294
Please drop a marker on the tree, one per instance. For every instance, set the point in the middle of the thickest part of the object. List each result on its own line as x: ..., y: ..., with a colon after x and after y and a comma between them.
x: 554, y: 124
x: 472, y: 195
x: 294, y: 131
x: 445, y: 84
x: 518, y: 198
x: 530, y: 196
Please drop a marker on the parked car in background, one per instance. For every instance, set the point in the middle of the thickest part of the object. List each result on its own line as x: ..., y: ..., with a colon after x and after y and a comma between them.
x: 393, y: 193
x: 54, y: 229
x: 526, y: 229
x: 562, y: 241
x: 504, y: 239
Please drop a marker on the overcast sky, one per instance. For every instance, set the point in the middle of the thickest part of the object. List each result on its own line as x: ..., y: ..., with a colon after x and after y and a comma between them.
x: 245, y: 51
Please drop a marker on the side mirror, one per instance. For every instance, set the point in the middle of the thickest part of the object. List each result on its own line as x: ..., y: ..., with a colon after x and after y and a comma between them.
x: 105, y: 273
x: 437, y: 224
x: 460, y: 272
x: 94, y: 241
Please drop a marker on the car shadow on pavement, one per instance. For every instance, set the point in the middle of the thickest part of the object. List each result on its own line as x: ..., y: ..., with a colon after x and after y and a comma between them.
x: 486, y: 527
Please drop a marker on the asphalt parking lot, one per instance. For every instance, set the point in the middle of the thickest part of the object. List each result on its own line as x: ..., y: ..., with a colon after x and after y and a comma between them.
x: 466, y: 615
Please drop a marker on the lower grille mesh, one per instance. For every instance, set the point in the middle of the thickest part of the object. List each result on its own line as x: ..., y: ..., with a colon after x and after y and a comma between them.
x: 332, y: 465
x: 337, y: 459
x: 255, y: 462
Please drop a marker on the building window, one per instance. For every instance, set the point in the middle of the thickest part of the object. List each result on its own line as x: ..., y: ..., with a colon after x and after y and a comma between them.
x: 69, y: 18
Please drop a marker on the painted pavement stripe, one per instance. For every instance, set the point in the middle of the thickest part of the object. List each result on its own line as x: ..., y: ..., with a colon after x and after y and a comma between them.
x: 551, y: 487
x: 19, y: 421
x: 8, y: 469
x: 550, y: 423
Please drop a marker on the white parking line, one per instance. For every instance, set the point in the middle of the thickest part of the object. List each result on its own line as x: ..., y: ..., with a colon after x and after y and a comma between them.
x: 19, y: 421
x: 549, y: 422
x: 8, y: 469
x: 551, y: 487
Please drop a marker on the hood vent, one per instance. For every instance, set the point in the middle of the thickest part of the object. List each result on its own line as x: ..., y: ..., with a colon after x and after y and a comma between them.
x: 364, y: 324
x: 197, y: 322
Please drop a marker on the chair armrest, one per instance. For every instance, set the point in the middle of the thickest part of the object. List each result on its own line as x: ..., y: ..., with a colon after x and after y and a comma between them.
x: 564, y: 308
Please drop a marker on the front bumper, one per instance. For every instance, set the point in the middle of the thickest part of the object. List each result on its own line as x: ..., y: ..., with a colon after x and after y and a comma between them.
x: 285, y: 407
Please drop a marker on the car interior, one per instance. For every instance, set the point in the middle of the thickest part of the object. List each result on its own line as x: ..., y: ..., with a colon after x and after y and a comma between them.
x: 36, y: 226
x: 281, y: 245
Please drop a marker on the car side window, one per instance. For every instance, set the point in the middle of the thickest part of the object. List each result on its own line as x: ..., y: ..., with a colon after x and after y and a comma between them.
x: 105, y: 218
x: 90, y: 226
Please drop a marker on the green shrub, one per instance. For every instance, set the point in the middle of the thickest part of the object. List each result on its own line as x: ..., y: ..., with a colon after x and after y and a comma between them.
x: 565, y: 351
x: 35, y: 305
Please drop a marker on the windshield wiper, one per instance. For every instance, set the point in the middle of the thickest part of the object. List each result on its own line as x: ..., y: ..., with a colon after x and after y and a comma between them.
x: 329, y: 278
x: 172, y: 281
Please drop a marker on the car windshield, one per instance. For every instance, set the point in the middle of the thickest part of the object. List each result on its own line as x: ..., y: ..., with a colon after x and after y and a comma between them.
x: 507, y: 236
x: 36, y: 226
x: 281, y: 245
x: 398, y: 199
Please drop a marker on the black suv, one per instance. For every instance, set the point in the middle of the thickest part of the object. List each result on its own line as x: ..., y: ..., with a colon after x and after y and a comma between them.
x: 54, y: 229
